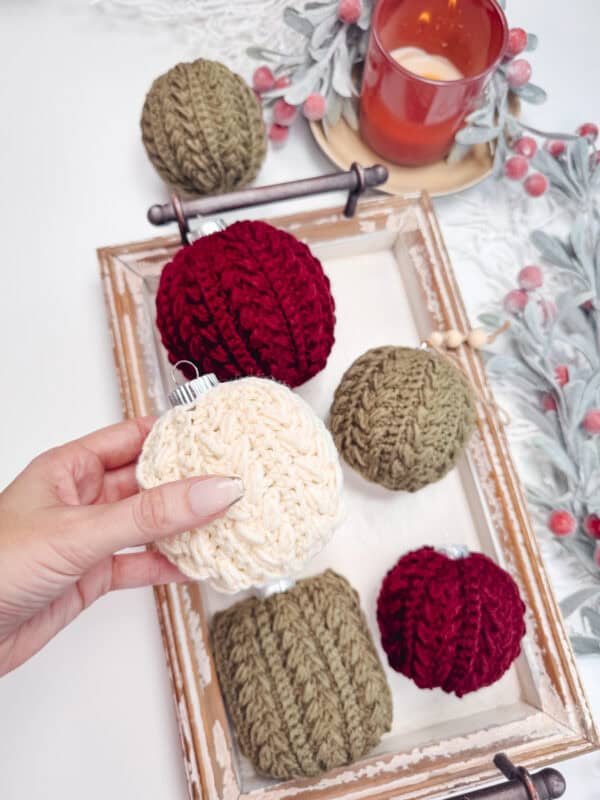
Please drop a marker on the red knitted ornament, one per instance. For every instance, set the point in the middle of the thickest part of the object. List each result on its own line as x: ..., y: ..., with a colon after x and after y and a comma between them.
x: 249, y: 300
x: 453, y: 623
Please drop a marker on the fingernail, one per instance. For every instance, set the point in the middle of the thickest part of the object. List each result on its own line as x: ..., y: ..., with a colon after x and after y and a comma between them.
x: 214, y: 495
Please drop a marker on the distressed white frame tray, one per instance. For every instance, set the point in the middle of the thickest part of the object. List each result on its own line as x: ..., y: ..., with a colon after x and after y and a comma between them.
x: 393, y: 284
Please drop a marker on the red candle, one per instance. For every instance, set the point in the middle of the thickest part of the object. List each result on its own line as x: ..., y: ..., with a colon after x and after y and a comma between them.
x: 427, y: 64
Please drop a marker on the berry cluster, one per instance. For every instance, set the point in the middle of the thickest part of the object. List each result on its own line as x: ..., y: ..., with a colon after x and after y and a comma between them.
x: 284, y: 114
x: 530, y: 279
x: 563, y: 523
x: 517, y: 166
x: 314, y: 106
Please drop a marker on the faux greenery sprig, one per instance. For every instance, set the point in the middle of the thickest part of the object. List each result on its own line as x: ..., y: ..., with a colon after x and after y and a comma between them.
x: 318, y: 79
x: 553, y: 371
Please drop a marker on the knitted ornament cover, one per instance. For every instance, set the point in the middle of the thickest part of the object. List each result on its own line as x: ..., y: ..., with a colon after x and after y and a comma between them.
x: 203, y: 128
x: 263, y: 433
x: 249, y: 300
x: 402, y: 416
x: 452, y: 623
x: 301, y: 678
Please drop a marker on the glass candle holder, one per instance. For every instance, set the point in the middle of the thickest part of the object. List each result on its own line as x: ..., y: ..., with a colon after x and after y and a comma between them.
x: 413, y: 118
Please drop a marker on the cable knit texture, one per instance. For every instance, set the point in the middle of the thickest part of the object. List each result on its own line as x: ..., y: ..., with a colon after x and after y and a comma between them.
x: 301, y: 678
x: 203, y: 128
x: 263, y: 433
x: 402, y: 416
x: 456, y: 624
x: 249, y: 300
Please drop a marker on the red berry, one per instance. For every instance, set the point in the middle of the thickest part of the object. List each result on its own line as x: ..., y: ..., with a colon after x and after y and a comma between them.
x: 278, y: 134
x: 516, y: 301
x: 591, y: 525
x: 536, y: 184
x: 549, y: 402
x: 263, y: 79
x: 562, y: 523
x: 517, y: 41
x: 518, y: 73
x: 526, y: 146
x: 591, y: 421
x: 556, y: 147
x: 283, y: 82
x: 349, y: 11
x: 530, y: 278
x: 516, y: 167
x: 314, y: 107
x: 561, y: 373
x: 589, y: 130
x: 588, y: 305
x: 284, y: 113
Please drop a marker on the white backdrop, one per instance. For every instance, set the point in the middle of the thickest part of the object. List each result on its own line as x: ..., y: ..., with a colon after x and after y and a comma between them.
x: 91, y: 715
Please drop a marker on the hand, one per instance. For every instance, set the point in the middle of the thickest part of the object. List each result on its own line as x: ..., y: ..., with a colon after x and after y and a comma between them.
x: 63, y: 518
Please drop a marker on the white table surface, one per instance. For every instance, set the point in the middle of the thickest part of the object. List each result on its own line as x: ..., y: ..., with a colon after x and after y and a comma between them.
x: 91, y: 715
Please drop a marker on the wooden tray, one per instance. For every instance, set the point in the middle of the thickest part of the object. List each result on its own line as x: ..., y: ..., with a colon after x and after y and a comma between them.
x: 393, y: 284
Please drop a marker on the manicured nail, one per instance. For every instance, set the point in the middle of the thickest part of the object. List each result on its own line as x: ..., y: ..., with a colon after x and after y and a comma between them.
x: 214, y: 495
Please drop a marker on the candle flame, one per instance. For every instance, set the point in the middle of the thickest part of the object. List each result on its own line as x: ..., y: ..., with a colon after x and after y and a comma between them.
x: 452, y: 4
x: 425, y: 16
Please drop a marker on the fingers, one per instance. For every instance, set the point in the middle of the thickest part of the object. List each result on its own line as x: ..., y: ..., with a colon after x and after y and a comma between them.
x: 118, y: 444
x: 132, y: 570
x: 152, y: 514
x: 117, y: 572
x: 118, y: 484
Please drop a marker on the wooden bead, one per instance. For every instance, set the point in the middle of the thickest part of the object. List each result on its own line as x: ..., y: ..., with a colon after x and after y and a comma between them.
x: 436, y: 339
x: 453, y: 339
x: 477, y: 338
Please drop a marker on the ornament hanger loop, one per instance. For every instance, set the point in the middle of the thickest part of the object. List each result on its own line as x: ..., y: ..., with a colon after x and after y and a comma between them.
x: 184, y: 228
x: 176, y: 365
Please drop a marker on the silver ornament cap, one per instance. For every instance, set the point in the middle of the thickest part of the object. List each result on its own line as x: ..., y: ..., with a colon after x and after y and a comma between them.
x: 187, y: 392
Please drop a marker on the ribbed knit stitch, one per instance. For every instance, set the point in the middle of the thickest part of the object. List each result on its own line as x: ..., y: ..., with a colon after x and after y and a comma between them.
x: 301, y: 678
x: 402, y: 416
x: 451, y: 623
x: 263, y: 433
x: 249, y: 300
x: 203, y: 129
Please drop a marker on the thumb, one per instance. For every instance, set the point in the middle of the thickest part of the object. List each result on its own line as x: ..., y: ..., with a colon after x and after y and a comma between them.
x: 155, y: 513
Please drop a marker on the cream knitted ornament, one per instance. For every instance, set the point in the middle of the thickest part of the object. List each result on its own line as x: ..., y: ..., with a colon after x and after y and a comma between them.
x: 263, y: 433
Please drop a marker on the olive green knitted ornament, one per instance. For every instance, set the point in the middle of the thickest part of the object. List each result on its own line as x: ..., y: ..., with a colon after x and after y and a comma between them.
x: 203, y: 129
x: 402, y: 417
x: 302, y: 680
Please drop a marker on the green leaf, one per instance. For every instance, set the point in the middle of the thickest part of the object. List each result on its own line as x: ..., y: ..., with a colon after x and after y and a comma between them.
x: 579, y: 156
x: 299, y: 90
x: 531, y: 93
x: 592, y: 618
x: 532, y: 42
x: 322, y: 32
x: 457, y: 153
x: 297, y: 22
x: 552, y: 249
x: 349, y: 113
x: 557, y: 456
x: 577, y: 599
x: 342, y: 72
x: 585, y: 645
x: 490, y: 320
x: 474, y: 134
x: 334, y: 109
